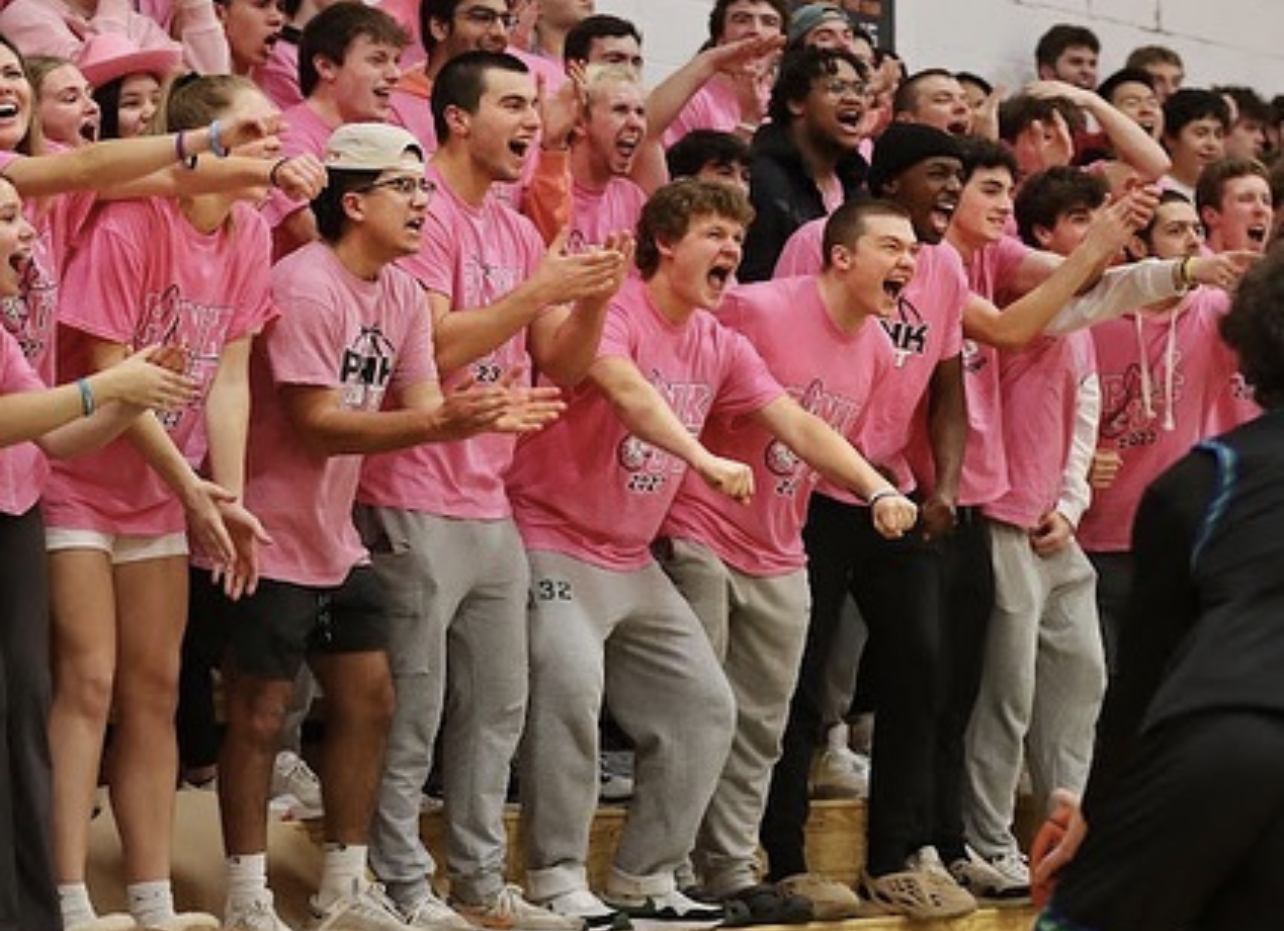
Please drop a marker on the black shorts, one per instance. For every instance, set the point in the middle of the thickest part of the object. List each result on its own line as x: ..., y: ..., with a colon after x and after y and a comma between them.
x: 275, y: 629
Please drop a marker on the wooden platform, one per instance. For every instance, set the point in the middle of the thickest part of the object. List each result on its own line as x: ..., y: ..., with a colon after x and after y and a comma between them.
x: 834, y: 846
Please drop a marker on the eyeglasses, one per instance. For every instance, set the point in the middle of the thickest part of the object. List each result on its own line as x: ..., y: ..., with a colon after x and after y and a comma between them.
x: 405, y: 185
x: 484, y: 16
x: 837, y: 87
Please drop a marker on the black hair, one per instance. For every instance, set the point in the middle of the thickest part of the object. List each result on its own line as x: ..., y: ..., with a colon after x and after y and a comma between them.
x: 1046, y: 196
x: 702, y: 147
x: 799, y: 71
x: 462, y: 82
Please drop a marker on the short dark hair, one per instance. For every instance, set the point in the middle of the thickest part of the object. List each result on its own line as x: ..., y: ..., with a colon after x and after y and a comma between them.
x: 462, y: 82
x: 668, y: 213
x: 443, y: 10
x: 702, y: 147
x: 718, y: 17
x: 1106, y: 89
x: 1194, y: 103
x: 1046, y: 196
x: 327, y: 207
x: 978, y: 152
x: 1017, y: 112
x: 1147, y: 232
x: 332, y: 31
x: 849, y: 222
x: 579, y: 41
x: 1254, y: 328
x: 1053, y: 43
x: 799, y: 70
x: 905, y: 100
x: 1211, y: 186
x: 1250, y: 104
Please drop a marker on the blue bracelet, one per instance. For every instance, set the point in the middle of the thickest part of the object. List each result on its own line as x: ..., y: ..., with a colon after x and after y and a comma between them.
x: 86, y: 396
x: 216, y: 144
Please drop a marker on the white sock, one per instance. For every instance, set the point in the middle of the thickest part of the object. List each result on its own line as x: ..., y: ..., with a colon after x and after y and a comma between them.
x: 73, y: 900
x: 836, y: 737
x: 343, y: 872
x: 151, y: 903
x: 246, y: 878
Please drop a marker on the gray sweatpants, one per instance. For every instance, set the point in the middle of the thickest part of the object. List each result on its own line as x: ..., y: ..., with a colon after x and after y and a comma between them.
x: 757, y: 627
x: 1041, y: 688
x: 631, y: 638
x: 456, y: 593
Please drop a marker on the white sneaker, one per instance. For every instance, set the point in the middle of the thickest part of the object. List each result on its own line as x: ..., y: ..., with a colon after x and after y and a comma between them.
x: 117, y: 921
x: 841, y: 773
x: 589, y: 909
x: 508, y: 910
x: 1005, y: 878
x: 292, y: 776
x: 674, y: 905
x: 366, y: 909
x: 258, y: 915
x: 185, y: 921
x: 432, y: 914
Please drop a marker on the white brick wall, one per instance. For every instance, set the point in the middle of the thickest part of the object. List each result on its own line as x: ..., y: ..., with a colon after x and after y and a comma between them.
x: 1222, y: 41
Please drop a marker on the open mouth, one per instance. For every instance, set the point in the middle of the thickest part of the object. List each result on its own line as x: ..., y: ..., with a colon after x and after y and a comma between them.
x: 89, y: 130
x: 20, y: 261
x: 958, y: 128
x: 720, y: 276
x: 1257, y: 235
x: 8, y: 111
x: 519, y: 147
x: 851, y: 118
x: 416, y: 224
x: 894, y: 288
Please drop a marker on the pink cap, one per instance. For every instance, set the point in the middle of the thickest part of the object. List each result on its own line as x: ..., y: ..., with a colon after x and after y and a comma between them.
x: 107, y: 56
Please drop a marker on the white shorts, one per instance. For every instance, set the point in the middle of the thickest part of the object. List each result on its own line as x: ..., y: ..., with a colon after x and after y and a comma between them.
x: 120, y: 547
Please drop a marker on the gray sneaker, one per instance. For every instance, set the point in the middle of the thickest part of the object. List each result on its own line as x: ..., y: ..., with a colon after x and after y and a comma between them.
x: 508, y: 910
x: 432, y: 914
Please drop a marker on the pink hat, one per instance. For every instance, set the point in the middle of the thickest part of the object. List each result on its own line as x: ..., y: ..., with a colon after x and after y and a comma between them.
x: 107, y: 56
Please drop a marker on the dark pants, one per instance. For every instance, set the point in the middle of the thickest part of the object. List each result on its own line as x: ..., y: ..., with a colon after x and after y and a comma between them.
x: 204, y: 642
x: 28, y: 893
x: 1190, y: 836
x: 1114, y: 588
x: 897, y: 586
x: 969, y: 601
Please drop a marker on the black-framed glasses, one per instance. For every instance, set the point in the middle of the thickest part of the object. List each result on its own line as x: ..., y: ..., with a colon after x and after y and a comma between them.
x: 405, y: 185
x: 485, y: 16
x: 837, y: 87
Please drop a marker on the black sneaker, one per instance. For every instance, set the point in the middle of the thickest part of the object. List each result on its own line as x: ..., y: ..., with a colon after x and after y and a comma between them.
x: 765, y: 905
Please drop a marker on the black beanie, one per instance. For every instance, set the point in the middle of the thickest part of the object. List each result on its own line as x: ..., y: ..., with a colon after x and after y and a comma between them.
x: 903, y: 145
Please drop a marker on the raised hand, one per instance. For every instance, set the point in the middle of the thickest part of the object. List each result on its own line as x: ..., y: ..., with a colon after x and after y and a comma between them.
x: 565, y: 276
x: 150, y: 378
x: 1224, y: 269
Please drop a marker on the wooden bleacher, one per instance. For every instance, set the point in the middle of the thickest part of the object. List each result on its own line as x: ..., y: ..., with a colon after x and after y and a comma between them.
x: 834, y: 846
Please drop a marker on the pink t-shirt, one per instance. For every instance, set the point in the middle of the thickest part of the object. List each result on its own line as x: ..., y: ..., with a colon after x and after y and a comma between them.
x: 1181, y: 358
x: 305, y: 133
x: 473, y: 256
x: 279, y: 76
x: 1039, y: 385
x: 411, y: 109
x: 145, y: 276
x: 830, y: 373
x: 588, y: 488
x: 22, y: 465
x: 713, y: 106
x: 369, y: 339
x: 985, y: 465
x: 927, y: 328
x: 595, y: 214
x: 31, y: 316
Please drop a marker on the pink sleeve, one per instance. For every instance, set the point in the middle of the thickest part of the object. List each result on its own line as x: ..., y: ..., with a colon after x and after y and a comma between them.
x: 301, y: 344
x: 38, y: 29
x: 102, y: 283
x: 205, y: 48
x: 415, y: 361
x: 802, y: 252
